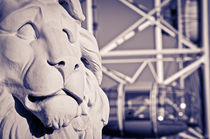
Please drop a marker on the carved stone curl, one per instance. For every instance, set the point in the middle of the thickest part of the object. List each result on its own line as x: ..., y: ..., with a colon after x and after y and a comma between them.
x: 50, y: 71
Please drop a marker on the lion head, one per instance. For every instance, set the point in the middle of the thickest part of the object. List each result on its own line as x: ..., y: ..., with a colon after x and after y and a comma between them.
x: 50, y: 71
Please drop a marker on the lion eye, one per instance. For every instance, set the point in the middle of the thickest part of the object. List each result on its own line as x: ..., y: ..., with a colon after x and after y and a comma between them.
x: 26, y: 32
x: 70, y: 35
x: 67, y: 33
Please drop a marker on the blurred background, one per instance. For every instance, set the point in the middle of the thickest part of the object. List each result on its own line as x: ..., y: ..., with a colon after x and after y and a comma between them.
x: 155, y: 56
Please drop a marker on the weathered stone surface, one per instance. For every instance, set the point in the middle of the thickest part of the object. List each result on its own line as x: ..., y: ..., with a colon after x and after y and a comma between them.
x: 50, y: 71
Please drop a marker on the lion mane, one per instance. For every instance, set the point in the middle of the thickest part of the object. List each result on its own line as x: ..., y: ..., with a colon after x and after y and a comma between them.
x: 50, y: 72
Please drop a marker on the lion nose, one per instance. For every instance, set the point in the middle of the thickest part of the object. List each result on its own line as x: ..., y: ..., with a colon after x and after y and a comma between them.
x: 59, y: 63
x: 70, y: 69
x: 68, y: 64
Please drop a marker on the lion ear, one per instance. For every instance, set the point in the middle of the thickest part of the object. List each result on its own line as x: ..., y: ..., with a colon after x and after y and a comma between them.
x: 73, y: 7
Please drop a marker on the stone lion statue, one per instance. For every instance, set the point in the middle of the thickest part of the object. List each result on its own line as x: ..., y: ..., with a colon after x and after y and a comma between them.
x: 50, y: 72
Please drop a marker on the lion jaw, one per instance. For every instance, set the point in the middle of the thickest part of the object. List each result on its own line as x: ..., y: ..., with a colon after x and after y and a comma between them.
x: 56, y: 111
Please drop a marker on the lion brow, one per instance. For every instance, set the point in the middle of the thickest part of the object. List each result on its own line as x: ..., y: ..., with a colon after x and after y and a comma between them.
x: 30, y: 14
